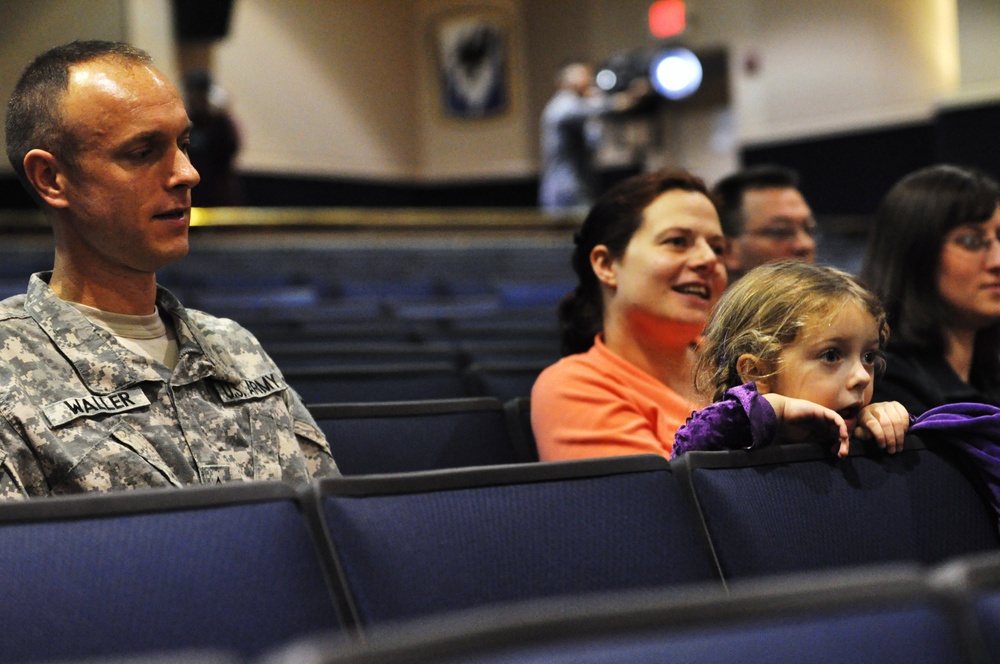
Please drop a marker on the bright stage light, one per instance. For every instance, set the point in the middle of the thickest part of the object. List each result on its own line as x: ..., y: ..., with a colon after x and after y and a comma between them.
x: 675, y: 73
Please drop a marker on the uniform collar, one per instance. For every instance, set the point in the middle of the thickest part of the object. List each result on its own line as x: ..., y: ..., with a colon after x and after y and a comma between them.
x: 106, y: 366
x: 198, y: 356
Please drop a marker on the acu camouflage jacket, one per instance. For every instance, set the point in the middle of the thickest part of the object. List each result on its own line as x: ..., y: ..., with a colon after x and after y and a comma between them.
x: 80, y: 412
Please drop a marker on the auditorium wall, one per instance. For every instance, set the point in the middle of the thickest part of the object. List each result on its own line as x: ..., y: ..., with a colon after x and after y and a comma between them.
x: 979, y: 48
x: 324, y: 87
x: 346, y: 92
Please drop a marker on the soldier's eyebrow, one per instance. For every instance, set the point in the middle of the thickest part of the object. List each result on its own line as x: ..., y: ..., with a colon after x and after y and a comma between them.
x: 142, y: 138
x: 153, y: 136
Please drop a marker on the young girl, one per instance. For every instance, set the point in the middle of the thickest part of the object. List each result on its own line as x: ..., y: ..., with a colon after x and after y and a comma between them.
x: 790, y: 355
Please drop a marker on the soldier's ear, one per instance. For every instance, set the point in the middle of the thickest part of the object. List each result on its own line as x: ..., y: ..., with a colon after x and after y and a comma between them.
x: 45, y: 174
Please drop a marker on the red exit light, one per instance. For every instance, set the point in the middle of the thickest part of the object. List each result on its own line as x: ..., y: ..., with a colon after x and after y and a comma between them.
x: 667, y: 18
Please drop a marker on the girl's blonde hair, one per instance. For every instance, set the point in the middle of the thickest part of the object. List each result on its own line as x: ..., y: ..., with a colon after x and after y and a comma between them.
x: 766, y: 309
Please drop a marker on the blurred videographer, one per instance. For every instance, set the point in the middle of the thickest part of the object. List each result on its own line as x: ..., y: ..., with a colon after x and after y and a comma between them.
x: 569, y: 138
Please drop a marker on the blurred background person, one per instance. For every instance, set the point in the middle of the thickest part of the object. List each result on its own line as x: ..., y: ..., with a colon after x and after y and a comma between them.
x: 570, y: 138
x: 765, y: 218
x: 215, y: 141
x: 934, y: 259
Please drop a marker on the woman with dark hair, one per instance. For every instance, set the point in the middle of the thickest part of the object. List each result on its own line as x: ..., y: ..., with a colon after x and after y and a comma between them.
x: 648, y: 258
x: 934, y: 260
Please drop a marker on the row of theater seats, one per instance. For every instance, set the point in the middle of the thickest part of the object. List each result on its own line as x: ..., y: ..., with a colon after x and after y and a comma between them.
x: 243, y: 569
x: 372, y: 340
x: 871, y: 615
x: 442, y: 355
x: 431, y: 333
x: 387, y: 311
x: 348, y: 382
x: 407, y: 436
x: 363, y: 363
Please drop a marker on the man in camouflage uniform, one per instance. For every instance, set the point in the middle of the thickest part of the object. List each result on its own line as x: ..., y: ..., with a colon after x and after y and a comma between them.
x: 106, y: 381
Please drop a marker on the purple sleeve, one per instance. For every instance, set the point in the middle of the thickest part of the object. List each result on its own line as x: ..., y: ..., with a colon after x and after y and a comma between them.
x: 742, y: 420
x: 974, y: 429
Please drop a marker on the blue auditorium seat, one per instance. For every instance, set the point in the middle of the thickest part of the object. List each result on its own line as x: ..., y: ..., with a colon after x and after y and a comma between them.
x: 404, y: 381
x: 304, y: 354
x: 231, y: 568
x: 234, y: 303
x: 357, y: 330
x: 873, y: 616
x: 519, y: 424
x: 406, y: 436
x: 417, y: 544
x: 791, y: 508
x: 444, y: 309
x: 534, y: 293
x: 10, y: 286
x: 492, y: 352
x: 975, y: 582
x: 504, y: 380
x: 504, y: 326
x: 410, y: 287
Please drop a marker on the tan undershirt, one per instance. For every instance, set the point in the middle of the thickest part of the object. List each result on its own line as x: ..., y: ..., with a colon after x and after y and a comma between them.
x: 147, y: 335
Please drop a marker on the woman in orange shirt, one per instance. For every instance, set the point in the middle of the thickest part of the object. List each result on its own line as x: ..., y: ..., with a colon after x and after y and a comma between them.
x: 648, y: 258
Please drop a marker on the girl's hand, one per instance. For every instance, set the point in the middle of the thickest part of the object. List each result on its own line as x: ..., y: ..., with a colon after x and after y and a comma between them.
x: 885, y: 423
x: 801, y: 421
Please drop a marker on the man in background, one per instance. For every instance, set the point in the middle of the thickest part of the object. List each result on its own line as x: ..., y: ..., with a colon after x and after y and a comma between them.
x: 765, y: 218
x: 215, y: 141
x: 569, y: 137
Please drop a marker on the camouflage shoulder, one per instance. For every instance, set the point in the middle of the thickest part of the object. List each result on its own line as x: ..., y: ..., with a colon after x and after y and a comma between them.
x: 225, y: 334
x: 12, y: 308
x: 209, y: 324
